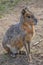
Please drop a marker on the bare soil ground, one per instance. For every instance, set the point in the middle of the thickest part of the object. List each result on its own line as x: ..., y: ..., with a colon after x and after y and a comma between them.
x: 36, y: 6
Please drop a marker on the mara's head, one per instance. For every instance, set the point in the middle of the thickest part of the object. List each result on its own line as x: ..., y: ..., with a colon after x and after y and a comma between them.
x: 27, y: 16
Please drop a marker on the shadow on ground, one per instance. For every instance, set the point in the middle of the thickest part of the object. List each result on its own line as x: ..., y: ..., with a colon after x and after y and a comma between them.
x: 5, y: 59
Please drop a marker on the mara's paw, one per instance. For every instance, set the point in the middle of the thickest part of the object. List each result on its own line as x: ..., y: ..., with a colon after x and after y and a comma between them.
x: 22, y: 52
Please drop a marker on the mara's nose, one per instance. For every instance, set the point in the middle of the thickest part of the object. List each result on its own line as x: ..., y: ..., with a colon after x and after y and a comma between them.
x: 35, y: 20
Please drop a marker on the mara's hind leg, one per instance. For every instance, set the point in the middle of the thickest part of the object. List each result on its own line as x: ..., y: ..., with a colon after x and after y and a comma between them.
x: 12, y: 51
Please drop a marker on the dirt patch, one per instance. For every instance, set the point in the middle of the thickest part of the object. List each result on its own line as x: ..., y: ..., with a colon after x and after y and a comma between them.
x: 13, y: 18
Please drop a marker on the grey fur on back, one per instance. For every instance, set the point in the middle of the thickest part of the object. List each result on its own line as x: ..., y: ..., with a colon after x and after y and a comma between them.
x: 13, y: 34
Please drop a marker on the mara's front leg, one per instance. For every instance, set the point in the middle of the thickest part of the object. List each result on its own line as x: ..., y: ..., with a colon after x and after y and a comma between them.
x: 28, y: 52
x: 27, y: 47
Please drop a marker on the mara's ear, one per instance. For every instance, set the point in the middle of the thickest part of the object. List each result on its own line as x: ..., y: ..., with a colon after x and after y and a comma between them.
x: 23, y: 11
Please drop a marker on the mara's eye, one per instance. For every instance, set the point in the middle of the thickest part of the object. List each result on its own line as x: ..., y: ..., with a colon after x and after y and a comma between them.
x: 28, y: 16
